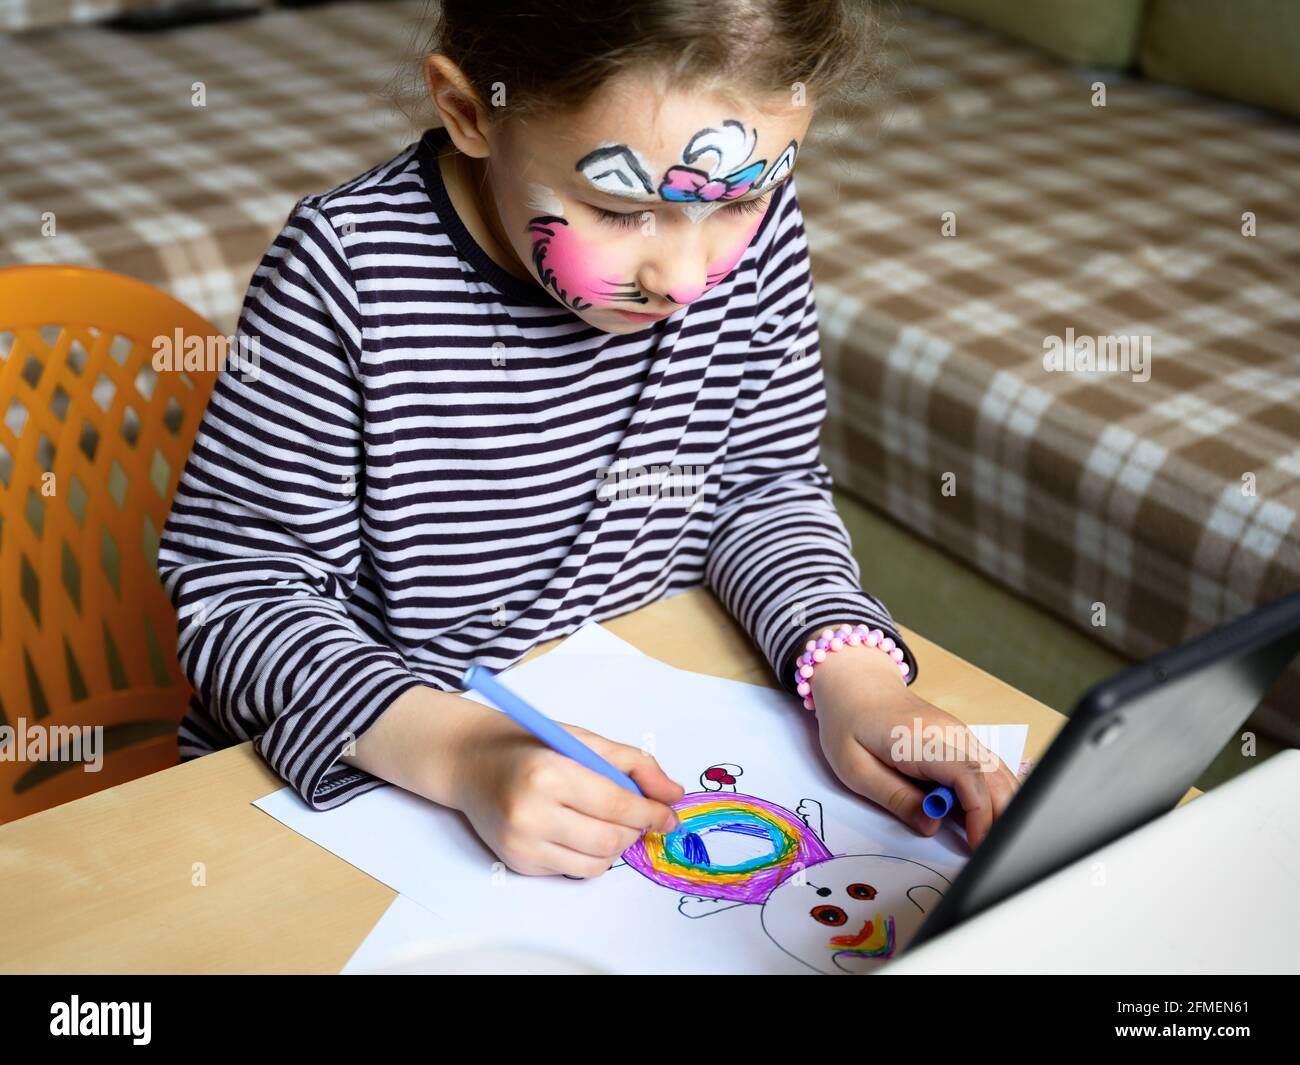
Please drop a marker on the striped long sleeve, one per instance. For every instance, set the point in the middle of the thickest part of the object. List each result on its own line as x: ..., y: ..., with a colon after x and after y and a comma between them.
x: 263, y: 544
x: 415, y: 478
x: 779, y: 555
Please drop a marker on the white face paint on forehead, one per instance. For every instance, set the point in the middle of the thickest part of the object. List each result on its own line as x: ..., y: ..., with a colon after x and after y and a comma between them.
x: 714, y: 169
x: 617, y: 170
x: 698, y: 212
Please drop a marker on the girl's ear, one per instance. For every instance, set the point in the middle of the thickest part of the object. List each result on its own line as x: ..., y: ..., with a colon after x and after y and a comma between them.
x: 461, y: 111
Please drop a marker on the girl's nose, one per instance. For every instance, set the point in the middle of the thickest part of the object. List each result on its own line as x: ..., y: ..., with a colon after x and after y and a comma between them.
x: 683, y: 288
x: 684, y: 294
x: 679, y: 275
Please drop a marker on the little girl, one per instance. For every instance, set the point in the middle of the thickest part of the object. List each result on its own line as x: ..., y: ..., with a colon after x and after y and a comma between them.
x: 472, y: 358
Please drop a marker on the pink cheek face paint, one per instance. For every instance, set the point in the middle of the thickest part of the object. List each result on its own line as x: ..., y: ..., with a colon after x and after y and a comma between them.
x: 570, y: 266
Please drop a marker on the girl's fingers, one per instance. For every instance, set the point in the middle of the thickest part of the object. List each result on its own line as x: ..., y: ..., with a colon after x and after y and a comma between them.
x: 883, y: 784
x: 589, y: 793
x: 983, y: 794
x: 971, y: 785
x: 999, y: 782
x: 589, y: 836
x: 560, y: 859
x: 526, y: 868
x: 641, y: 767
x: 1009, y: 785
x: 652, y: 780
x: 979, y: 779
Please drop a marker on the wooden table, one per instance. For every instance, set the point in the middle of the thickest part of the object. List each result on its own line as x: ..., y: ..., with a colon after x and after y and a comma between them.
x: 177, y: 872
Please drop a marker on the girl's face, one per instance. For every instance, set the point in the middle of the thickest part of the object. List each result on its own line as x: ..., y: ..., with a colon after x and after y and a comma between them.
x: 644, y: 201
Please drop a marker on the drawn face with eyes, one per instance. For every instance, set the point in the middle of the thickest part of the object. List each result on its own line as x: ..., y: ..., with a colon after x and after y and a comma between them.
x: 853, y: 913
x: 641, y: 202
x: 837, y: 914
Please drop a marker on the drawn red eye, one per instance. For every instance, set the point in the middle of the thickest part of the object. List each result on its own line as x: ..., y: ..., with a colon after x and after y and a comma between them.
x: 861, y: 891
x: 831, y: 915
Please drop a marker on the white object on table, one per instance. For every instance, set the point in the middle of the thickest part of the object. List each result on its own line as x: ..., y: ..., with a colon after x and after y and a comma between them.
x: 410, y: 940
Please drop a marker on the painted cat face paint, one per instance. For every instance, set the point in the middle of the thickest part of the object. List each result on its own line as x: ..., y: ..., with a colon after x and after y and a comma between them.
x: 616, y: 226
x: 714, y: 169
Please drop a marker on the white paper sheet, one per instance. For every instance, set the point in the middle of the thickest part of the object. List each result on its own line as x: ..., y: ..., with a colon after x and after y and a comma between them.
x: 831, y: 864
x: 1006, y: 741
x: 410, y: 940
x: 405, y: 930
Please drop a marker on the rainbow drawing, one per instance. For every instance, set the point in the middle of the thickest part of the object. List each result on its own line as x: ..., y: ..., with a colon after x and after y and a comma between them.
x: 682, y: 861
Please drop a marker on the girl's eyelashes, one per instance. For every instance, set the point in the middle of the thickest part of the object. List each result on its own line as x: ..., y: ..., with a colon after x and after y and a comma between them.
x: 633, y: 219
x: 619, y: 221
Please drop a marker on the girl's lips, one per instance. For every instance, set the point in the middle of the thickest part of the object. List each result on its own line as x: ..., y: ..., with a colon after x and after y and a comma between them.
x: 632, y: 316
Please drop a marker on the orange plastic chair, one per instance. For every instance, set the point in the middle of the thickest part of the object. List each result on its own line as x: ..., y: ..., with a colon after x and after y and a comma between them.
x: 92, y: 443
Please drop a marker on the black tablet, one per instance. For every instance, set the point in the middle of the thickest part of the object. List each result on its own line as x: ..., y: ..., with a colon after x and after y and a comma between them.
x: 1133, y: 746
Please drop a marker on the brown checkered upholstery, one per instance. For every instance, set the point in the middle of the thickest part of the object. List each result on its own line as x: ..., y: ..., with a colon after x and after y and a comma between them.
x: 1073, y: 489
x: 22, y: 16
x: 102, y: 139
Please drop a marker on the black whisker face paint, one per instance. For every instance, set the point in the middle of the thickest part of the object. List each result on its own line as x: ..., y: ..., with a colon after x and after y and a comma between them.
x: 546, y: 230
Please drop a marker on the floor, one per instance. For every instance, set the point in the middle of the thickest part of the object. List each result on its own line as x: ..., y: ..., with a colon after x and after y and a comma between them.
x: 991, y: 627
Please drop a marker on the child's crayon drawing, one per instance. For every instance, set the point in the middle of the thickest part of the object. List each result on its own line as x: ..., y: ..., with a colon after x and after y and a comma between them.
x: 833, y: 912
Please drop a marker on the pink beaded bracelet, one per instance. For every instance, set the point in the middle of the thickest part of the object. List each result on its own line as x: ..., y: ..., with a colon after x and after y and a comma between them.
x: 834, y: 640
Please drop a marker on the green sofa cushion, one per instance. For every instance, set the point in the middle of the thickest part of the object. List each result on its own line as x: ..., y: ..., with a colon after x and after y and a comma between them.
x: 1248, y: 50
x: 1093, y: 32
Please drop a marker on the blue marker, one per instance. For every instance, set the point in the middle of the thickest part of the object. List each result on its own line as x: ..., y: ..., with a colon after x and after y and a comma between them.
x: 938, y: 802
x: 559, y: 739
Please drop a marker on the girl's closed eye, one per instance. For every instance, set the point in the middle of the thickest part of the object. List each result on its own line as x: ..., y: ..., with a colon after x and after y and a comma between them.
x: 633, y: 219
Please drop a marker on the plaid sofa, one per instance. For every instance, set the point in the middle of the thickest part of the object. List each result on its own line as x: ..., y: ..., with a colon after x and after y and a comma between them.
x: 989, y: 206
x: 23, y: 16
x: 112, y: 159
x: 1003, y: 217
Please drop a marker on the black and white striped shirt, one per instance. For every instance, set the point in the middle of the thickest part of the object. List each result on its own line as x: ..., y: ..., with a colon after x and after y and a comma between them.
x: 437, y: 464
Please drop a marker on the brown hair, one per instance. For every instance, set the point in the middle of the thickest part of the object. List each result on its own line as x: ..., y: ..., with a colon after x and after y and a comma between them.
x: 551, y: 56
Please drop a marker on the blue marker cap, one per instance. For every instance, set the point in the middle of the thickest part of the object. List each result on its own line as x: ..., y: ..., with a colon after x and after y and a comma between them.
x: 939, y: 802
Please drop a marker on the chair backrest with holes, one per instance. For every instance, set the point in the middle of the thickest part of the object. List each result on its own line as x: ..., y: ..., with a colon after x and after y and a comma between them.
x: 94, y: 433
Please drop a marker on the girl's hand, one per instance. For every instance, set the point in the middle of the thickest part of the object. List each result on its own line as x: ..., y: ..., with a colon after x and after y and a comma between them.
x: 869, y: 723
x: 543, y: 813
